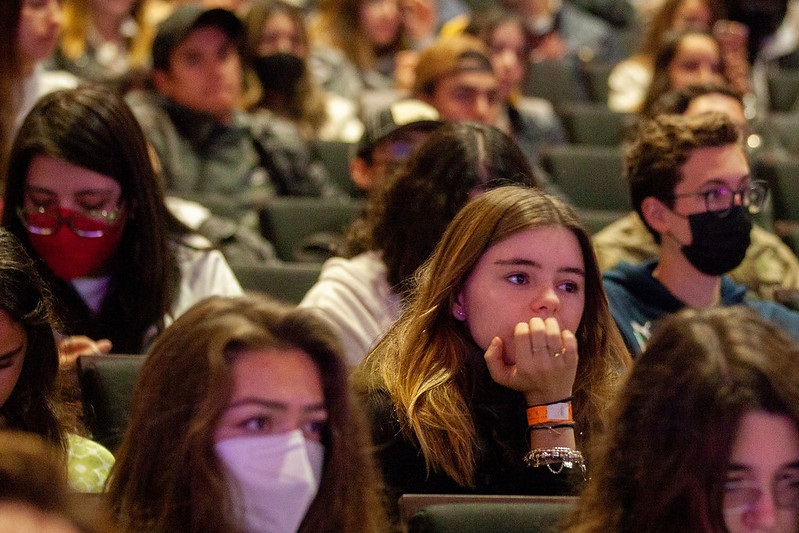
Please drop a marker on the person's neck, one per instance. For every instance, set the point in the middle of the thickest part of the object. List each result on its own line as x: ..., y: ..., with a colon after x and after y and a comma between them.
x: 692, y: 287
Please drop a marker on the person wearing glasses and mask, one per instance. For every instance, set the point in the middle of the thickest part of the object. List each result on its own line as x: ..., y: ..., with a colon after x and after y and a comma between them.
x: 690, y: 183
x: 82, y: 197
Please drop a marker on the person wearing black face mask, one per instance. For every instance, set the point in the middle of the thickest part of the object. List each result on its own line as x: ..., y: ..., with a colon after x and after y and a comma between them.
x: 280, y: 83
x: 690, y: 183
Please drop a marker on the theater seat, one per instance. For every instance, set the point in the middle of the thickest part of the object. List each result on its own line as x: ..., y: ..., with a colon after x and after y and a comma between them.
x: 528, y: 517
x: 285, y: 281
x: 106, y: 387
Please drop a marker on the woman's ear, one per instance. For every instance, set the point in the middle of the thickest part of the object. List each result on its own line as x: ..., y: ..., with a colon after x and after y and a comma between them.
x: 458, y: 309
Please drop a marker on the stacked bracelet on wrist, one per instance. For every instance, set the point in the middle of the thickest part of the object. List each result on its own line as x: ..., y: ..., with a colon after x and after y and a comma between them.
x: 565, y: 457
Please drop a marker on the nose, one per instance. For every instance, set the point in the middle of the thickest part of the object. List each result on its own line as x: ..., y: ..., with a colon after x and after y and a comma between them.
x: 285, y: 45
x: 763, y: 515
x: 545, y: 303
x: 56, y: 14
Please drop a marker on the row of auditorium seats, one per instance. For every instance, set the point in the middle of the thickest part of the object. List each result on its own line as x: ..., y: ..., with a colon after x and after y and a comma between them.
x: 107, y: 384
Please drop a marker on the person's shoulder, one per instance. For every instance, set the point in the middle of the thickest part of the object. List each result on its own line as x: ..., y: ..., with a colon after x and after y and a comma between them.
x: 88, y: 464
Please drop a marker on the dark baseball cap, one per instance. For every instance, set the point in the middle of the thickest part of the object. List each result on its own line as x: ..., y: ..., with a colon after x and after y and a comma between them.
x: 183, y: 21
x: 403, y: 115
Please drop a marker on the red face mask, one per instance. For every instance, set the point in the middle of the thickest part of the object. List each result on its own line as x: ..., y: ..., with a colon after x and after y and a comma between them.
x: 71, y: 256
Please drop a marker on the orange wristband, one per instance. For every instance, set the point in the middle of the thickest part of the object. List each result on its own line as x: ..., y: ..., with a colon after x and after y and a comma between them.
x: 553, y: 413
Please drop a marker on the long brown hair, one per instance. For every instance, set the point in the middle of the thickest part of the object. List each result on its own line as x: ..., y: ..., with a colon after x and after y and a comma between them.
x: 662, y: 464
x: 167, y: 476
x: 10, y: 77
x: 422, y: 360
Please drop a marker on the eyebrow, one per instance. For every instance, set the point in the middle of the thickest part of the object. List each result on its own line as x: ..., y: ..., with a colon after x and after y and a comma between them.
x: 280, y: 406
x: 12, y: 353
x: 519, y: 261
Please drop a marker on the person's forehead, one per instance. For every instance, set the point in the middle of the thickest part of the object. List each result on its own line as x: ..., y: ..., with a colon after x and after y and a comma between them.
x: 480, y: 80
x: 203, y: 35
x: 726, y: 163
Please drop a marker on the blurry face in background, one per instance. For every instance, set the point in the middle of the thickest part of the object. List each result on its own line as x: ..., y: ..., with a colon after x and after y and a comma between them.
x: 38, y: 30
x: 692, y: 14
x: 117, y: 9
x: 204, y: 73
x: 760, y: 493
x: 380, y: 21
x: 281, y: 35
x: 507, y: 50
x: 469, y: 95
x: 698, y: 60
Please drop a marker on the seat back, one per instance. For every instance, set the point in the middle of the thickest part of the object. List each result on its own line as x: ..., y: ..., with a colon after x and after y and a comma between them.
x: 783, y: 88
x: 591, y: 123
x: 591, y: 176
x: 555, y: 80
x: 492, y: 513
x: 106, y: 386
x: 335, y: 156
x: 296, y: 226
x: 596, y: 75
x: 285, y: 281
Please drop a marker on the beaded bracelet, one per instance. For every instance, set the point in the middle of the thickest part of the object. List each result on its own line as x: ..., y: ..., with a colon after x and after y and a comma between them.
x: 567, y: 458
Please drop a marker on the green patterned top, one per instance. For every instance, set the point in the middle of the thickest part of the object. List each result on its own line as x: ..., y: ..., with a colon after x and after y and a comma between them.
x: 88, y: 464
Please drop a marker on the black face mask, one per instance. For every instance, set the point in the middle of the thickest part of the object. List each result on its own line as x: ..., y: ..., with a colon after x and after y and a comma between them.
x: 279, y: 72
x: 718, y: 243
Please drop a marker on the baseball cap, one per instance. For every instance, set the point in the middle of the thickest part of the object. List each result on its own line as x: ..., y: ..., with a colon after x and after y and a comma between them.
x: 450, y: 55
x: 183, y: 21
x: 403, y: 115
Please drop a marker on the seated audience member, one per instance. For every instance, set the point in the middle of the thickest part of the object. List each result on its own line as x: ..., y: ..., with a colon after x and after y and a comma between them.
x: 361, y: 294
x: 102, y: 41
x: 389, y: 139
x: 684, y: 58
x: 690, y: 183
x: 363, y: 46
x: 277, y: 52
x: 28, y: 34
x: 258, y: 434
x: 768, y: 266
x: 82, y: 197
x: 561, y: 31
x: 209, y: 150
x: 455, y: 76
x: 30, y: 398
x: 35, y: 493
x: 507, y: 319
x: 630, y: 79
x: 531, y: 121
x: 704, y: 433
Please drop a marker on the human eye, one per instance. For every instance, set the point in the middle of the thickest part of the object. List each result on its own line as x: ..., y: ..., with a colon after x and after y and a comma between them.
x: 570, y: 286
x: 257, y: 424
x: 518, y: 278
x: 315, y: 429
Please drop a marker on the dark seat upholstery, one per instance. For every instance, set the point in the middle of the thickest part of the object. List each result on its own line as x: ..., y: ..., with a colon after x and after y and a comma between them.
x: 506, y: 514
x: 106, y: 386
x: 296, y: 226
x: 285, y: 281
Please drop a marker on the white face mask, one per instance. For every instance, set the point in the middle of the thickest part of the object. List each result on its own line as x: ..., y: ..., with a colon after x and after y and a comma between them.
x: 277, y: 477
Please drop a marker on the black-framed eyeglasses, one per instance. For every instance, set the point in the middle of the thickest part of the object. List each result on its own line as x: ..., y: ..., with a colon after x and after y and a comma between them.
x: 741, y: 495
x: 42, y: 221
x: 721, y: 200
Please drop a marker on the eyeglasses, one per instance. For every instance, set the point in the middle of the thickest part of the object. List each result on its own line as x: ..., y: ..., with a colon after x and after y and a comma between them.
x: 41, y: 221
x: 741, y: 495
x: 721, y: 200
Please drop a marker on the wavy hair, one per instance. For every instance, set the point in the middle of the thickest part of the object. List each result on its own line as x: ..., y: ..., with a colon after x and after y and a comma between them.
x: 167, y: 476
x: 662, y: 464
x: 426, y: 361
x: 406, y: 221
x: 33, y: 405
